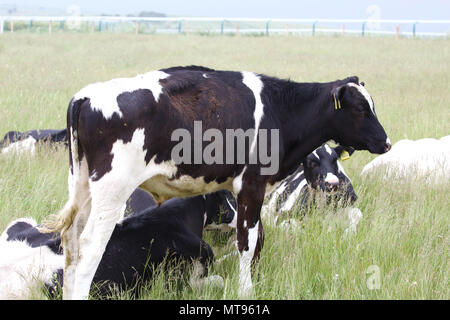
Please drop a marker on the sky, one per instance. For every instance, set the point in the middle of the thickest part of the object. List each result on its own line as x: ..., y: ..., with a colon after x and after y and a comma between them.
x: 337, y: 9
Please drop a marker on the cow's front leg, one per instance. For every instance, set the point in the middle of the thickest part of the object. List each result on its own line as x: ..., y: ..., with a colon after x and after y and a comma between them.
x: 250, y: 234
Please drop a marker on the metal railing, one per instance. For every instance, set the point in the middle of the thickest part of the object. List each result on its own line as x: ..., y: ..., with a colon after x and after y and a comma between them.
x: 186, y: 25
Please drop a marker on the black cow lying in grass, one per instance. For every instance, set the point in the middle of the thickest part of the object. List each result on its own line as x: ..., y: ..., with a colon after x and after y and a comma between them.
x: 15, y: 141
x: 141, y: 241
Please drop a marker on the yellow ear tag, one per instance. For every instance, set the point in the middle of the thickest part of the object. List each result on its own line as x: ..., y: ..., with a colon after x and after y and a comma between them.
x: 344, y: 155
x: 337, y: 104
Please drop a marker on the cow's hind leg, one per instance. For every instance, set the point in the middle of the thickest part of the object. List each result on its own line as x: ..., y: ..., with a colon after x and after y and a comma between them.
x: 108, y: 198
x: 70, y: 222
x: 70, y: 242
x: 250, y: 234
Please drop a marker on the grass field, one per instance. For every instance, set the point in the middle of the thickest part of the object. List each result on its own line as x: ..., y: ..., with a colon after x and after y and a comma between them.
x: 404, y: 235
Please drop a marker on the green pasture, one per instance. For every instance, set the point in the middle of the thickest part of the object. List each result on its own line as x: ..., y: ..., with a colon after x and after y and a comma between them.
x: 403, y: 238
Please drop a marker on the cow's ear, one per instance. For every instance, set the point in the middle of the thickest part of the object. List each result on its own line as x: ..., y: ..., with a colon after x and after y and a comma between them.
x: 353, y: 79
x: 337, y: 93
x: 344, y: 153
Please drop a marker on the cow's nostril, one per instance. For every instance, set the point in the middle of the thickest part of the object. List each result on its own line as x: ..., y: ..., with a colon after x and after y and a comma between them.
x: 331, y: 186
x: 387, y: 147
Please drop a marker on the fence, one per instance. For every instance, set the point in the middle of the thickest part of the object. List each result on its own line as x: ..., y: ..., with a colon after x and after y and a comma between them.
x: 186, y: 25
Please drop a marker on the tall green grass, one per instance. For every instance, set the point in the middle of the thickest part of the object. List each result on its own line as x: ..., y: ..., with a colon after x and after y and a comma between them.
x: 405, y: 229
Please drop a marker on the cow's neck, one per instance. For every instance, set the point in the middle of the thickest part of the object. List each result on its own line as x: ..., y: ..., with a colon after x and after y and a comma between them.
x: 304, y: 122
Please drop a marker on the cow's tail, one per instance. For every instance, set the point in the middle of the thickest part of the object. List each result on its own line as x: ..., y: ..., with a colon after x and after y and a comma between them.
x: 78, y: 182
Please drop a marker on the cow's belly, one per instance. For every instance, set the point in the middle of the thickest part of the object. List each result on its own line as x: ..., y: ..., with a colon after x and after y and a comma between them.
x: 162, y: 188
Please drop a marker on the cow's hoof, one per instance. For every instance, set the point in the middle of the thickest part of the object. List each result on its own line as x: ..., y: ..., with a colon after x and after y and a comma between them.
x: 246, y: 292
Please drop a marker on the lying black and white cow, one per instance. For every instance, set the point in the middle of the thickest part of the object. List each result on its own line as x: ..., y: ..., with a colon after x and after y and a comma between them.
x: 127, y: 132
x: 320, y: 171
x: 138, y: 243
x: 15, y: 141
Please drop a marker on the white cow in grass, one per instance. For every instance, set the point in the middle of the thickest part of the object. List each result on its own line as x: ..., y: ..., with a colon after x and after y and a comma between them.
x: 427, y: 157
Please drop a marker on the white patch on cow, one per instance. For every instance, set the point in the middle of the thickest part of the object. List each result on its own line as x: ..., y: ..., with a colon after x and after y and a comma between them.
x: 237, y: 182
x: 27, y: 145
x: 365, y: 94
x: 103, y: 95
x: 331, y: 178
x: 245, y: 260
x: 297, y: 175
x: 315, y: 154
x: 205, y: 217
x: 23, y: 268
x: 205, y: 76
x: 233, y: 222
x: 388, y: 141
x: 291, y: 200
x: 255, y: 84
x: 328, y: 149
x: 270, y: 208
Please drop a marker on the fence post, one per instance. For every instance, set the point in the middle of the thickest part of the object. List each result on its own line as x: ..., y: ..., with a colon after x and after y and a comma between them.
x: 180, y: 26
x: 397, y: 29
x: 50, y: 27
x: 343, y: 29
x: 137, y: 27
x: 221, y: 26
x: 11, y: 23
x: 31, y: 24
x: 267, y: 27
x: 61, y: 25
x: 414, y: 28
x: 314, y: 28
x: 363, y: 28
x: 1, y: 26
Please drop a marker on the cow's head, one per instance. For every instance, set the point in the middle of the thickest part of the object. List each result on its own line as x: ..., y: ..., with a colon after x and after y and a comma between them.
x: 220, y: 210
x: 323, y: 171
x: 354, y: 121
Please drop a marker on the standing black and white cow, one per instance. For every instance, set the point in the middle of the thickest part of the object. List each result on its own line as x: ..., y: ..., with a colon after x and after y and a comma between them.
x: 123, y: 134
x: 15, y: 141
x: 138, y: 243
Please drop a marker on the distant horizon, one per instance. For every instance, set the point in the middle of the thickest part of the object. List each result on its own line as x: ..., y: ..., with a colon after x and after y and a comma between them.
x: 263, y: 9
x: 325, y: 9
